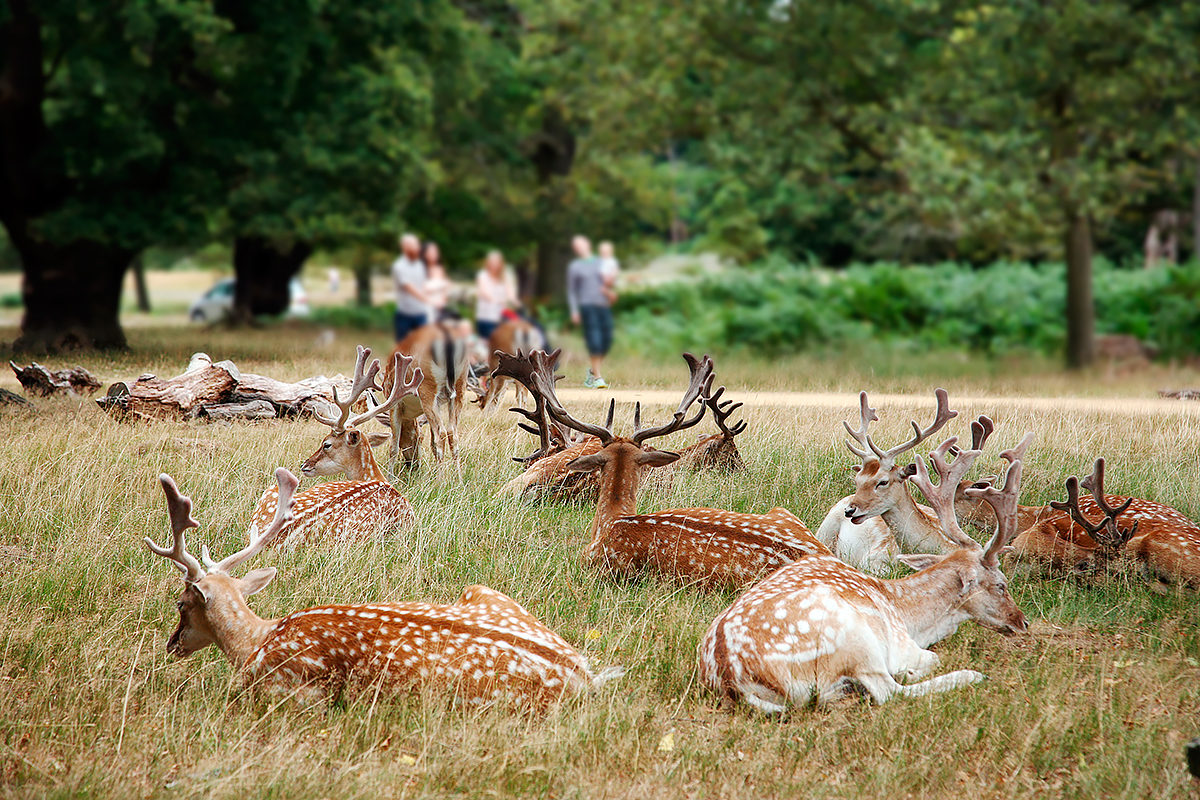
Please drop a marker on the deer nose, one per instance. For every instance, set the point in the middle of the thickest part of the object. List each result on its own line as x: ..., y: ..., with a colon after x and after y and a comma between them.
x: 851, y: 511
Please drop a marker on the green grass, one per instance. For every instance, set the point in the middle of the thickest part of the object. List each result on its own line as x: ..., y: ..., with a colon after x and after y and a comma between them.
x: 1097, y: 700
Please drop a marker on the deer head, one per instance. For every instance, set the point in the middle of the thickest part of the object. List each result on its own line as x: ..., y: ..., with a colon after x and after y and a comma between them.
x: 552, y: 436
x: 212, y: 607
x: 347, y: 449
x: 1110, y: 538
x: 879, y: 481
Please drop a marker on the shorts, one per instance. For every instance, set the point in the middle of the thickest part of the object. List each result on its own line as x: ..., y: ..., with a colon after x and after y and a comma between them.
x: 597, y: 329
x: 485, y: 327
x: 407, y: 323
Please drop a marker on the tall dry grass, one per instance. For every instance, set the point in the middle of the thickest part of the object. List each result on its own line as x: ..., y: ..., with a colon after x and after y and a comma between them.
x: 1097, y: 700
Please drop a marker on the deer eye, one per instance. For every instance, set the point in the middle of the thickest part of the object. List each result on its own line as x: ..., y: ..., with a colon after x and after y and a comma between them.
x: 1001, y: 587
x: 327, y: 445
x: 882, y: 483
x: 179, y: 606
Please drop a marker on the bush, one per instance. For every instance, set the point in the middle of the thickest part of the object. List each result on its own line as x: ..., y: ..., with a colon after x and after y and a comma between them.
x: 1005, y: 307
x: 12, y: 300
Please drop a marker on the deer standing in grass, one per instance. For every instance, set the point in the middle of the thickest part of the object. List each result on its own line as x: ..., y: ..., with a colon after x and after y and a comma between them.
x: 484, y: 647
x: 441, y: 355
x: 512, y: 337
x: 707, y: 546
x: 1157, y: 537
x: 363, y: 504
x: 814, y: 628
x: 871, y: 527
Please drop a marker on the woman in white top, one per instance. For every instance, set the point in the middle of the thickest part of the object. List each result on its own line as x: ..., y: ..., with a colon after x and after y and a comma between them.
x: 437, y: 284
x: 495, y: 290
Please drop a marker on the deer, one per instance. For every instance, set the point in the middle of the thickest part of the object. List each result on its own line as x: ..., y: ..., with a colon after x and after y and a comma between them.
x: 870, y: 528
x: 363, y: 504
x: 441, y: 355
x: 819, y: 626
x: 511, y: 337
x: 484, y: 647
x: 717, y: 451
x: 1162, y: 540
x: 708, y: 547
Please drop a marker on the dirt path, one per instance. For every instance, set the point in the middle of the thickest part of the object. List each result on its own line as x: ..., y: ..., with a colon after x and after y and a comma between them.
x: 849, y: 402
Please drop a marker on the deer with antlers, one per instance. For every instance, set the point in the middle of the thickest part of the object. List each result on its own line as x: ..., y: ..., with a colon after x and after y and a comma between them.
x: 871, y: 527
x: 484, y: 647
x: 716, y: 451
x: 815, y: 627
x: 441, y: 355
x: 363, y: 504
x: 511, y: 338
x: 707, y: 546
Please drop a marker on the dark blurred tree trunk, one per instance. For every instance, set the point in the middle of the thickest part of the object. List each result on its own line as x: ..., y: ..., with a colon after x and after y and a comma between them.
x: 1081, y: 333
x: 362, y: 277
x: 1196, y: 215
x: 553, y: 155
x: 139, y: 282
x: 263, y: 269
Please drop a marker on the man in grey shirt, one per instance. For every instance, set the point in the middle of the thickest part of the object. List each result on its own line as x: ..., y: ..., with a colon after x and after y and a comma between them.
x: 590, y: 306
x: 408, y: 273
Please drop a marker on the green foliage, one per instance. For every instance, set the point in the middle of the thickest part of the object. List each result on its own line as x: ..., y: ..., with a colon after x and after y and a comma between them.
x: 777, y: 307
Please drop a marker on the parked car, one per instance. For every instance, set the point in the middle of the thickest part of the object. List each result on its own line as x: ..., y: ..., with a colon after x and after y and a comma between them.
x: 217, y: 302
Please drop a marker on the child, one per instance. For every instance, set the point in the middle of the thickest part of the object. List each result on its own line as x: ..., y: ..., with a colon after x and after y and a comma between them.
x: 609, y: 269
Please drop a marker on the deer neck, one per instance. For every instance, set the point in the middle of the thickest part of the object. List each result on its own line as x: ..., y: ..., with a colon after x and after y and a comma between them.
x: 364, y: 467
x: 237, y: 629
x: 915, y: 529
x: 929, y: 602
x: 618, y: 495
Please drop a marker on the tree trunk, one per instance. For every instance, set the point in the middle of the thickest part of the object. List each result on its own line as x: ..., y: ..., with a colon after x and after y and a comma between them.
x: 263, y: 270
x: 362, y: 277
x: 1196, y: 215
x: 553, y: 155
x: 139, y: 284
x: 1081, y: 333
x: 72, y: 294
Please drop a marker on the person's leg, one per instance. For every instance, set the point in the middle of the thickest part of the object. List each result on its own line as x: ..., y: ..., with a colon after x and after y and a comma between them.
x: 485, y: 328
x: 593, y: 338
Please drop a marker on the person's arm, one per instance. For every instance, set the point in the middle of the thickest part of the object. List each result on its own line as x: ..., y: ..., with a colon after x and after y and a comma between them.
x: 573, y: 291
x: 483, y: 288
x: 510, y: 289
x: 407, y: 286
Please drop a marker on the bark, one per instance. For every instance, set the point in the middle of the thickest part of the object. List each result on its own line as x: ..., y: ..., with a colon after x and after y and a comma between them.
x: 38, y: 380
x: 553, y: 156
x: 139, y: 283
x: 362, y: 278
x: 1081, y: 325
x: 263, y: 269
x: 1196, y: 214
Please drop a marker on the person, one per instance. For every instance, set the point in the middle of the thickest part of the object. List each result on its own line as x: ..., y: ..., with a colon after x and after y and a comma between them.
x: 437, y: 284
x: 590, y: 307
x: 609, y: 269
x: 495, y: 291
x: 408, y: 273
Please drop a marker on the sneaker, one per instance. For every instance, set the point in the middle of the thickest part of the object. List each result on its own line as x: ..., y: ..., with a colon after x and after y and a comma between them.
x: 599, y: 383
x: 590, y: 381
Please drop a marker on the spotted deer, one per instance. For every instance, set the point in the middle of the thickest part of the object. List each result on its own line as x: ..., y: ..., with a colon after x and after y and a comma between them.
x: 365, y: 503
x: 511, y: 337
x: 484, y: 647
x: 871, y: 527
x: 717, y: 451
x: 441, y: 355
x: 707, y: 546
x: 818, y: 626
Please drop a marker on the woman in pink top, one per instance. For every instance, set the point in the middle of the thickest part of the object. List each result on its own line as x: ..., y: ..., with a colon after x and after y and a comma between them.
x: 495, y: 290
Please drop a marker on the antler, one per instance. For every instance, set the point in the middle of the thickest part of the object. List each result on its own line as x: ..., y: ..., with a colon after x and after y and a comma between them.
x: 520, y: 368
x: 1105, y: 532
x: 723, y: 411
x: 180, y: 508
x: 283, y: 514
x: 543, y: 379
x: 1004, y: 505
x: 941, y: 497
x: 363, y: 380
x: 941, y: 417
x: 981, y: 429
x: 701, y: 383
x: 1018, y: 453
x: 867, y: 415
x: 403, y: 384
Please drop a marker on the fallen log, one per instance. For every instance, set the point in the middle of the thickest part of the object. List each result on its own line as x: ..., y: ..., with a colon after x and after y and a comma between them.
x: 1180, y: 394
x: 12, y: 398
x: 38, y: 380
x: 254, y: 409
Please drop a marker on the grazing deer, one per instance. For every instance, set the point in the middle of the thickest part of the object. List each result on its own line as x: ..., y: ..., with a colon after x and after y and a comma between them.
x: 365, y: 503
x: 511, y: 337
x: 871, y: 527
x: 484, y: 647
x: 816, y: 626
x: 441, y: 354
x: 708, y: 546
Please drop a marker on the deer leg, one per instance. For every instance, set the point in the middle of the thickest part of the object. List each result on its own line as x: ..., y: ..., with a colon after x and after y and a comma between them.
x: 429, y: 404
x: 456, y: 404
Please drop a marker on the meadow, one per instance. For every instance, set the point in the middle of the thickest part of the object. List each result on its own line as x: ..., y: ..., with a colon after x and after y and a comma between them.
x: 1097, y: 699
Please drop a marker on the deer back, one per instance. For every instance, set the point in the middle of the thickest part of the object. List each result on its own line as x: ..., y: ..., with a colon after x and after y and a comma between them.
x: 337, y: 510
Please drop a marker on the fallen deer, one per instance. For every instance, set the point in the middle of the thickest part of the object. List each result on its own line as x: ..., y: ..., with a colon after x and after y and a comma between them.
x: 484, y: 647
x: 363, y: 504
x: 816, y: 627
x: 871, y: 527
x: 710, y: 547
x: 441, y: 355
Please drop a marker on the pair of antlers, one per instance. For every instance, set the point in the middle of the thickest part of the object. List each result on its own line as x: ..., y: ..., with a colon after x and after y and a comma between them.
x: 179, y: 506
x: 1105, y: 532
x: 403, y: 383
x: 887, y: 458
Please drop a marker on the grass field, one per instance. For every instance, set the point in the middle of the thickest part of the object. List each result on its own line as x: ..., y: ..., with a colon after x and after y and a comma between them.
x: 1096, y: 701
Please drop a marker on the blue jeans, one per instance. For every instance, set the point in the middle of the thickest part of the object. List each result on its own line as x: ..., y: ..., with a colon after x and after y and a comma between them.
x: 484, y: 328
x: 407, y: 323
x: 597, y: 329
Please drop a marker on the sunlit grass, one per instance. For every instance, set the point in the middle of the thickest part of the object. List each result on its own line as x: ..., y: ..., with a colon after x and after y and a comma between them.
x: 1097, y: 700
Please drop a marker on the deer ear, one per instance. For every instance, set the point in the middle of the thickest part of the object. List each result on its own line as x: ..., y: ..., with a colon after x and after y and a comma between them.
x: 256, y: 580
x: 352, y: 438
x: 656, y: 458
x: 907, y: 471
x: 970, y: 581
x: 377, y: 438
x: 918, y: 561
x: 589, y: 463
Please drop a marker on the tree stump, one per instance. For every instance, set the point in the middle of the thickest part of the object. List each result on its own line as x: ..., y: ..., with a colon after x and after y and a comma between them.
x: 40, y: 381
